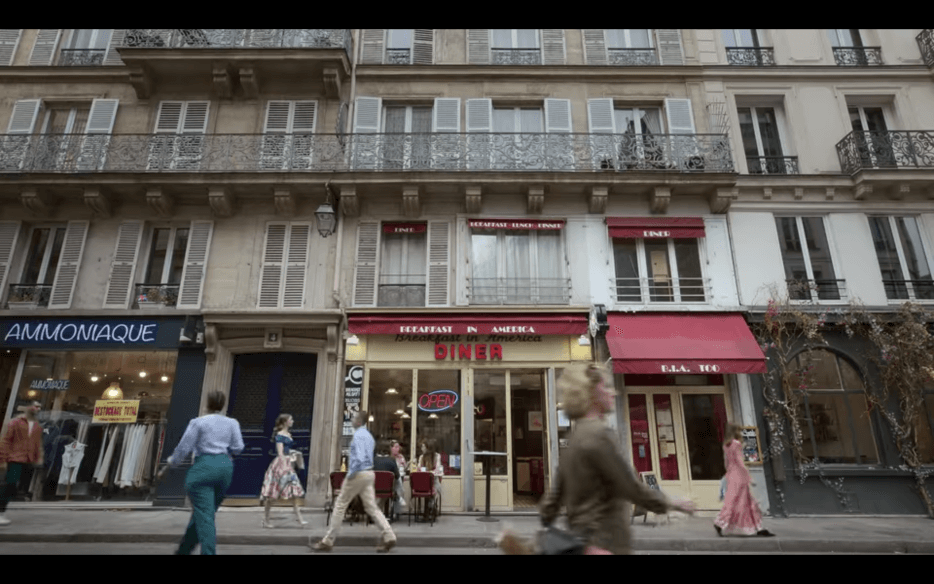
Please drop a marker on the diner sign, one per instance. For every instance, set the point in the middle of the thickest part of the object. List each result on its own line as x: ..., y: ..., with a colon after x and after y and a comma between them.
x: 405, y: 227
x: 554, y: 225
x: 23, y: 333
x: 110, y: 411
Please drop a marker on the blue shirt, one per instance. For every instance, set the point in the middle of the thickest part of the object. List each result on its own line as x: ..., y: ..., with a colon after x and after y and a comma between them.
x: 211, y: 434
x: 286, y: 443
x: 361, y: 451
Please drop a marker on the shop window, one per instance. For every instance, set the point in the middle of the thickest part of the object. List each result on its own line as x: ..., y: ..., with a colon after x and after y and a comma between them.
x: 389, y: 403
x: 438, y: 405
x: 490, y: 419
x: 704, y: 424
x: 515, y: 266
x: 639, y: 433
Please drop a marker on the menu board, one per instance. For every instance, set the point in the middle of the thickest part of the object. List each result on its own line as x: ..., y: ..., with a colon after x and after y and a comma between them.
x: 752, y: 453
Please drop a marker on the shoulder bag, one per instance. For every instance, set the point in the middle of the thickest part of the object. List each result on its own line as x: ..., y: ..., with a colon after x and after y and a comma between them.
x: 558, y: 542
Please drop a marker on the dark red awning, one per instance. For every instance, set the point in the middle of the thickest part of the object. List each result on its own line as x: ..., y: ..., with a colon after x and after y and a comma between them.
x: 655, y: 227
x: 666, y: 343
x: 469, y: 324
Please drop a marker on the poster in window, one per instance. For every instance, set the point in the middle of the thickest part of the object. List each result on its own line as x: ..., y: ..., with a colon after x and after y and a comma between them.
x: 752, y: 453
x: 353, y: 390
x: 535, y: 422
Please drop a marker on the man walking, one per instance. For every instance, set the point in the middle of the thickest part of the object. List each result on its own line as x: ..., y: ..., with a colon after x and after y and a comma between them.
x: 361, y: 481
x: 20, y: 446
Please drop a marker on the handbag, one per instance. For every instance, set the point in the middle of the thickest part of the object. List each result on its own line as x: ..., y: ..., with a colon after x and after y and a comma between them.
x: 558, y: 542
x: 298, y: 461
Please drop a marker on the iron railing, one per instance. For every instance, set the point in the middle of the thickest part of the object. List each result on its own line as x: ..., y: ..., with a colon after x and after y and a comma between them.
x: 82, y: 57
x: 398, y: 56
x: 750, y: 56
x: 519, y: 291
x: 155, y: 295
x: 632, y: 57
x: 857, y: 56
x: 909, y: 289
x: 926, y: 43
x: 516, y: 56
x: 232, y: 38
x: 772, y: 164
x: 401, y: 290
x: 364, y: 152
x: 661, y: 289
x: 815, y: 290
x: 890, y: 149
x: 28, y: 295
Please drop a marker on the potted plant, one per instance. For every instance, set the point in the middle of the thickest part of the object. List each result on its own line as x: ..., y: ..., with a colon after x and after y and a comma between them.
x: 23, y: 297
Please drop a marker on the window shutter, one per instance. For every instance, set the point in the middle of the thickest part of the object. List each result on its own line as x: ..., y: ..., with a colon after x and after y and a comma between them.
x: 9, y: 40
x: 196, y: 117
x: 669, y: 46
x: 116, y: 40
x: 600, y: 116
x: 169, y: 117
x: 25, y: 113
x: 278, y: 120
x: 438, y: 262
x: 9, y: 232
x: 553, y: 46
x: 373, y: 42
x: 102, y: 115
x: 304, y: 119
x: 478, y: 46
x: 364, y: 286
x: 595, y: 46
x: 190, y: 149
x: 270, y: 280
x: 196, y: 258
x: 680, y: 116
x: 729, y: 38
x: 63, y: 287
x: 558, y: 116
x: 423, y: 46
x: 293, y: 295
x: 46, y: 44
x: 99, y: 127
x: 366, y: 115
x: 446, y: 115
x: 123, y: 266
x: 480, y: 115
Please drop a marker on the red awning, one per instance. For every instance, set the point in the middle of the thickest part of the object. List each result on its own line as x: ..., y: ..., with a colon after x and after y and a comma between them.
x: 655, y: 227
x: 469, y: 324
x: 554, y: 224
x: 665, y: 343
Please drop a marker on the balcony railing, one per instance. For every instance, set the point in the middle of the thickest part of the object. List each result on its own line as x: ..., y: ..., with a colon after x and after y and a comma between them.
x: 363, y: 152
x: 816, y: 290
x: 891, y: 149
x: 155, y: 295
x: 82, y: 57
x: 519, y: 291
x: 516, y: 56
x: 401, y: 290
x: 750, y: 56
x: 857, y: 56
x: 632, y: 57
x: 909, y: 289
x: 926, y: 43
x: 651, y: 290
x: 398, y: 56
x: 231, y: 38
x: 772, y: 165
x: 28, y: 295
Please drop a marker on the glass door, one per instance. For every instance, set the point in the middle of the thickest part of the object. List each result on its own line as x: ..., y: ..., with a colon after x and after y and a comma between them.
x: 529, y: 436
x: 492, y: 433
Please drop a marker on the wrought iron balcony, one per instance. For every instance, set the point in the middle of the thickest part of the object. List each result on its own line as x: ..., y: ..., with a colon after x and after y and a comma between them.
x: 225, y: 38
x: 28, y: 295
x: 750, y: 56
x: 401, y: 290
x: 398, y: 56
x: 632, y: 57
x: 516, y: 56
x: 661, y: 289
x: 155, y: 295
x: 816, y: 290
x: 772, y: 165
x: 519, y: 291
x: 926, y: 43
x: 909, y: 289
x: 891, y: 149
x: 858, y: 56
x: 82, y: 57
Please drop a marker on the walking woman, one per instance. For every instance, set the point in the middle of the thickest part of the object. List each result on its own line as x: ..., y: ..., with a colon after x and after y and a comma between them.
x: 214, y: 439
x: 281, y: 481
x: 740, y: 513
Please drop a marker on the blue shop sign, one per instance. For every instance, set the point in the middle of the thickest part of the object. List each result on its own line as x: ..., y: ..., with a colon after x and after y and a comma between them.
x: 114, y: 333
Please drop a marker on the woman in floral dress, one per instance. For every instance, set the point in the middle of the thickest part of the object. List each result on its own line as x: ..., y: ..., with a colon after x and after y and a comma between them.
x: 740, y: 514
x: 281, y: 481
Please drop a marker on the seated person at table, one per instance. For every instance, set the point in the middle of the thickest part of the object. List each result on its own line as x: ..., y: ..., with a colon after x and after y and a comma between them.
x: 430, y: 460
x: 387, y: 463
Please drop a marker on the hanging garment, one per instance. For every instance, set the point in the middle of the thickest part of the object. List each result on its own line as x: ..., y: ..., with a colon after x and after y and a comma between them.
x: 71, y: 460
x: 142, y: 471
x: 136, y: 451
x: 126, y: 458
x: 155, y: 468
x: 105, y: 464
x: 100, y: 456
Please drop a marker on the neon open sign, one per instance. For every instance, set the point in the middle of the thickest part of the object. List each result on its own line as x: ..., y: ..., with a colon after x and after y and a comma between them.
x: 437, y: 401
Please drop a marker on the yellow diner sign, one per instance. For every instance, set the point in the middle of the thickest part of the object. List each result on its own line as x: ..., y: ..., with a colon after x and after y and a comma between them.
x: 111, y: 411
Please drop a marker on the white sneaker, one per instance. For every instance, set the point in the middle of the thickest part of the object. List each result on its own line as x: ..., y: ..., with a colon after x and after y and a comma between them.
x: 4, y: 520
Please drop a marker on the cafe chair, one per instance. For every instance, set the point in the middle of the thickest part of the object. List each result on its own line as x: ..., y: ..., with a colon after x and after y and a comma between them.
x: 422, y: 490
x: 337, y: 479
x: 385, y: 481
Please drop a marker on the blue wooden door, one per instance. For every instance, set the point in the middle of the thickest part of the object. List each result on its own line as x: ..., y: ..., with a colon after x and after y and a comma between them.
x: 263, y: 386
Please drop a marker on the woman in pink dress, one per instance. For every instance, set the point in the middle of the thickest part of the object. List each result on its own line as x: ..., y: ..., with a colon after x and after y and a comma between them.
x: 740, y: 514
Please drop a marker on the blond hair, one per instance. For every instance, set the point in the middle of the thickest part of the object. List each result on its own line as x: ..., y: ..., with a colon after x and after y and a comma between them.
x: 577, y: 385
x: 733, y: 432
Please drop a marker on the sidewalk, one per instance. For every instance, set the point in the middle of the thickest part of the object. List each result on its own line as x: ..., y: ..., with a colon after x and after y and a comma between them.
x: 242, y: 526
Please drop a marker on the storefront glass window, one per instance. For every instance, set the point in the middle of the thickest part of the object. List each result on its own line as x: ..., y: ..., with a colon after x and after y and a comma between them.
x: 639, y: 428
x: 439, y: 409
x: 490, y: 417
x: 665, y: 430
x: 389, y: 404
x: 704, y: 424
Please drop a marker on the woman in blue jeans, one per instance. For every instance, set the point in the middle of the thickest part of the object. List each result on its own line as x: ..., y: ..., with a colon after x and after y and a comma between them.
x: 214, y: 439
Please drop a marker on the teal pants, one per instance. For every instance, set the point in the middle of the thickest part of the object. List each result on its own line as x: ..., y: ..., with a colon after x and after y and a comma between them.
x: 207, y: 483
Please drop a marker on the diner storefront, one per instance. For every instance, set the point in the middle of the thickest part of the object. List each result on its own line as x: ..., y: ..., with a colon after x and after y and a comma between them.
x: 473, y: 383
x: 117, y: 392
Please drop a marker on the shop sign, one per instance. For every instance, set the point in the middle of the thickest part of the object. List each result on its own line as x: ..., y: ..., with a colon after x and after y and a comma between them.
x: 477, y: 351
x: 437, y: 401
x: 698, y: 368
x: 515, y: 224
x: 405, y: 227
x: 353, y: 389
x: 110, y: 411
x: 50, y: 384
x: 66, y: 331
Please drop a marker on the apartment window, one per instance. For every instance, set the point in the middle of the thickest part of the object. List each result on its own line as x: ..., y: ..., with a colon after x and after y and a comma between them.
x: 288, y: 143
x: 740, y: 37
x: 762, y: 141
x: 848, y: 48
x: 397, y: 136
x: 520, y: 263
x: 872, y: 136
x: 407, y: 141
x: 45, y: 248
x: 638, y: 138
x: 809, y: 268
x: 658, y: 270
x: 845, y: 37
x: 285, y: 265
x: 86, y: 47
x: 178, y: 142
x: 398, y: 46
x: 515, y: 47
x: 628, y: 38
x: 403, y: 265
x: 833, y: 411
x: 516, y: 121
x: 50, y: 266
x: 906, y: 270
x: 638, y: 125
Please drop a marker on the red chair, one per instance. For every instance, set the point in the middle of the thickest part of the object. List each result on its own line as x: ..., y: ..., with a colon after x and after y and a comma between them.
x: 385, y: 483
x: 422, y: 489
x: 337, y: 479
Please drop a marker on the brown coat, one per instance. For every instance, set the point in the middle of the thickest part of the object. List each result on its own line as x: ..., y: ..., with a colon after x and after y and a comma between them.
x: 598, y: 487
x: 20, y: 445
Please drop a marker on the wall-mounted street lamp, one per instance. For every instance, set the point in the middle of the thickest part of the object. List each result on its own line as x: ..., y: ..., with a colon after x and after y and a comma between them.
x: 327, y: 218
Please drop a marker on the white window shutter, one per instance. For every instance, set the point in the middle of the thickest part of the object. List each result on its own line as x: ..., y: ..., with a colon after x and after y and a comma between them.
x: 25, y: 113
x: 123, y: 266
x: 9, y: 40
x: 116, y: 40
x: 278, y: 120
x: 729, y: 38
x: 366, y: 115
x: 373, y: 42
x: 595, y: 46
x: 46, y: 44
x: 191, y: 287
x: 439, y: 263
x: 600, y: 116
x: 190, y: 149
x: 480, y: 115
x: 270, y: 280
x: 364, y: 285
x: 9, y: 233
x: 680, y: 116
x: 304, y: 116
x: 296, y: 268
x: 558, y: 116
x: 479, y: 120
x: 446, y: 115
x: 196, y: 117
x: 63, y: 287
x: 99, y: 127
x: 670, y: 51
x: 169, y: 117
x: 304, y: 119
x: 553, y: 46
x: 423, y: 46
x: 102, y: 115
x: 478, y: 46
